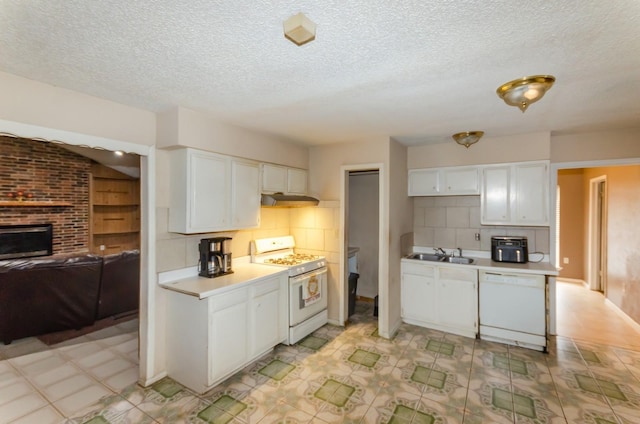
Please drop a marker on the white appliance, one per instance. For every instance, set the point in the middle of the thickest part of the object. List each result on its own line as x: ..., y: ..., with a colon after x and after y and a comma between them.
x: 307, y: 283
x: 513, y: 309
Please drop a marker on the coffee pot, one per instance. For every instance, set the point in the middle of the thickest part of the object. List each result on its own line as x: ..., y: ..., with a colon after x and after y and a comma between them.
x: 215, y: 257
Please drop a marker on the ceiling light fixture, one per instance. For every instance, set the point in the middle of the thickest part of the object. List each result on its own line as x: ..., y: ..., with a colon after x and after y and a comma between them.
x: 299, y: 29
x: 467, y: 138
x: 524, y: 91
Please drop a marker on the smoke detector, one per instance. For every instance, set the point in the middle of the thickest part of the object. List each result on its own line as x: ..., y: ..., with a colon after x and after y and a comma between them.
x: 299, y: 29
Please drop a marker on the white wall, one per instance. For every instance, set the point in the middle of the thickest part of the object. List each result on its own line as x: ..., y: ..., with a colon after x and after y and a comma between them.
x: 182, y: 127
x: 516, y: 148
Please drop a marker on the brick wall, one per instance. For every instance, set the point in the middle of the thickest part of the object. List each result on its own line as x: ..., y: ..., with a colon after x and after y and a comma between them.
x: 49, y: 173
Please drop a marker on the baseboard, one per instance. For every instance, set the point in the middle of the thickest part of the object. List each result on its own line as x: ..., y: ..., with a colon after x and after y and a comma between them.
x: 571, y: 281
x: 623, y: 315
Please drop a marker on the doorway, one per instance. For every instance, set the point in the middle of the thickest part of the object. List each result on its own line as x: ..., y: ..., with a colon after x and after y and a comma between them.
x: 364, y: 177
x: 597, y: 237
x: 362, y: 236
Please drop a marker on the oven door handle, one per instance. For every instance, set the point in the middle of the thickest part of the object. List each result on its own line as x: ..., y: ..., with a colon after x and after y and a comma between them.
x: 310, y: 274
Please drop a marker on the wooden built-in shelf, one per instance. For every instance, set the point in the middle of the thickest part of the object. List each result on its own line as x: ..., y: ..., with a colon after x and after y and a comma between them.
x: 31, y: 203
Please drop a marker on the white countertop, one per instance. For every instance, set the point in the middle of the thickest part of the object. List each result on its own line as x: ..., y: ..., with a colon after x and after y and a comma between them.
x: 203, y: 287
x: 485, y: 264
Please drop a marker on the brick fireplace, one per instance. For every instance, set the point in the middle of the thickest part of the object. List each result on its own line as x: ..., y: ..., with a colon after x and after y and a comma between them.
x: 48, y: 173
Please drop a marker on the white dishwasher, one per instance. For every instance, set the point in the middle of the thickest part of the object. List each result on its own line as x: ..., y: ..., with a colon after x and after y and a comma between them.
x: 513, y: 309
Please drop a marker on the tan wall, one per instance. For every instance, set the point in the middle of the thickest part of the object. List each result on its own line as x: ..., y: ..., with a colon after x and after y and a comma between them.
x: 601, y: 145
x: 182, y: 127
x: 44, y: 105
x: 400, y: 215
x: 623, y: 236
x: 325, y: 162
x: 572, y: 223
x: 517, y: 148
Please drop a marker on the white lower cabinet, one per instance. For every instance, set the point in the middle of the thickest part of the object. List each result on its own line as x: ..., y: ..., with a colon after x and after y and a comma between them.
x: 439, y: 297
x: 209, y: 339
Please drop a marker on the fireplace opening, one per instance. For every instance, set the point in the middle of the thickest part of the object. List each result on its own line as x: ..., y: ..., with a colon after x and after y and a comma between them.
x: 25, y: 241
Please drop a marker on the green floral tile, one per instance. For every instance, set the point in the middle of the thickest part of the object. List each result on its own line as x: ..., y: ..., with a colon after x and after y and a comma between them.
x: 444, y: 348
x: 405, y: 415
x: 313, y: 342
x: 589, y: 356
x: 524, y: 405
x: 502, y: 399
x: 437, y: 379
x: 167, y: 388
x: 420, y: 374
x: 335, y: 392
x: 598, y: 386
x: 363, y: 357
x: 276, y: 369
x: 97, y: 420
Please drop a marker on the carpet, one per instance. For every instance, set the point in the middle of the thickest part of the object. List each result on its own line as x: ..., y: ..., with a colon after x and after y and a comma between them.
x: 61, y: 336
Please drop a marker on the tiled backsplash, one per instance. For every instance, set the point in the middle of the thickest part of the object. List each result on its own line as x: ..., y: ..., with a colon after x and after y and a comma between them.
x: 315, y: 230
x: 453, y: 221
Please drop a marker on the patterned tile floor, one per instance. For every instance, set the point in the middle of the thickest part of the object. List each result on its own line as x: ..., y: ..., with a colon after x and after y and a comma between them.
x: 420, y: 376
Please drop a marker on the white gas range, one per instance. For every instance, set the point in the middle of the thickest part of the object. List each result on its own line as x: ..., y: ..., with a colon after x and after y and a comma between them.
x: 307, y: 283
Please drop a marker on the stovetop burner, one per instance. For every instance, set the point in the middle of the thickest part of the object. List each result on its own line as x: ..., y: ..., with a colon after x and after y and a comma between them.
x: 293, y: 259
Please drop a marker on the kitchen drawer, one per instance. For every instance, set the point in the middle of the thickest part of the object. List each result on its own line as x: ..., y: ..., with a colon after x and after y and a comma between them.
x: 419, y: 269
x: 459, y: 274
x: 225, y: 300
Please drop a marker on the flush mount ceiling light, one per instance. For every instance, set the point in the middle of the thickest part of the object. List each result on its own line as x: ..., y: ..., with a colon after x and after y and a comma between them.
x: 467, y: 138
x: 299, y: 29
x: 524, y: 91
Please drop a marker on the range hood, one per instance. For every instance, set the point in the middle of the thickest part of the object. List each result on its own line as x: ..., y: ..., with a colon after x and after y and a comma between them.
x: 279, y: 200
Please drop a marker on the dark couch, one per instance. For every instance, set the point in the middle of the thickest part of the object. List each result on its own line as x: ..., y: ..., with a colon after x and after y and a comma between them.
x: 44, y: 295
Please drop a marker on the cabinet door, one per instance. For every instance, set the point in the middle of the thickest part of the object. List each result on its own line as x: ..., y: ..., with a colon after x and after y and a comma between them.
x: 496, y: 200
x: 296, y: 181
x: 228, y: 340
x: 531, y: 194
x: 208, y: 194
x: 418, y: 294
x: 460, y: 181
x: 274, y: 178
x: 265, y: 316
x: 458, y: 299
x: 423, y: 182
x: 245, y: 194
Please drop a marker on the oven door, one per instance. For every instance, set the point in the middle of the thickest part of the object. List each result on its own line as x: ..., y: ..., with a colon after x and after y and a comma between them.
x: 307, y: 295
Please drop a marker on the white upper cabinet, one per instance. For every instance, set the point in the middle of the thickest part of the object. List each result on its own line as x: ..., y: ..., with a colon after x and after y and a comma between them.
x: 211, y: 192
x: 245, y: 194
x: 451, y: 181
x: 296, y: 181
x: 281, y: 179
x: 516, y: 194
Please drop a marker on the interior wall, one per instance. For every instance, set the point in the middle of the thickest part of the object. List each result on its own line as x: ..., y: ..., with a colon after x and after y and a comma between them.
x: 516, y: 148
x: 572, y: 223
x: 623, y: 236
x: 364, y: 221
x: 36, y: 103
x: 400, y: 223
x: 597, y: 145
x: 182, y: 127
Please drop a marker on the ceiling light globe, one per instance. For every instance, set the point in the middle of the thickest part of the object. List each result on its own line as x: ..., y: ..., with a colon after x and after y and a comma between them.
x: 524, y: 91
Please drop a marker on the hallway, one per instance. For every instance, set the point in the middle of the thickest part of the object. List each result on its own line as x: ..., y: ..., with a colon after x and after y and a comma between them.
x: 583, y: 314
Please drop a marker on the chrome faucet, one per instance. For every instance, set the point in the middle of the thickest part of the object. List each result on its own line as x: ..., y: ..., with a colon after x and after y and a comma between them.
x: 440, y: 251
x: 459, y: 252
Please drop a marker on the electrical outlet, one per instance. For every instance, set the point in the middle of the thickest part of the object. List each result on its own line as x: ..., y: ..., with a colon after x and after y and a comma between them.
x: 102, y: 247
x: 565, y: 260
x: 477, y: 235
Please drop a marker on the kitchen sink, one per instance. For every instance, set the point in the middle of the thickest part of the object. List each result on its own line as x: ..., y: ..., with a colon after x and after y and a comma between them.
x: 458, y: 260
x: 432, y: 257
x: 426, y: 257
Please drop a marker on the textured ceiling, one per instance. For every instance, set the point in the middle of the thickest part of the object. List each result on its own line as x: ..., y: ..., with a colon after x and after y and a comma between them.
x: 415, y: 70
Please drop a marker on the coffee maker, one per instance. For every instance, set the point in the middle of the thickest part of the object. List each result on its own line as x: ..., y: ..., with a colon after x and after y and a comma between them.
x: 215, y: 257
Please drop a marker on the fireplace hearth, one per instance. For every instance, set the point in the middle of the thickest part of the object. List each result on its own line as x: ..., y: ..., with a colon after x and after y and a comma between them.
x: 25, y: 241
